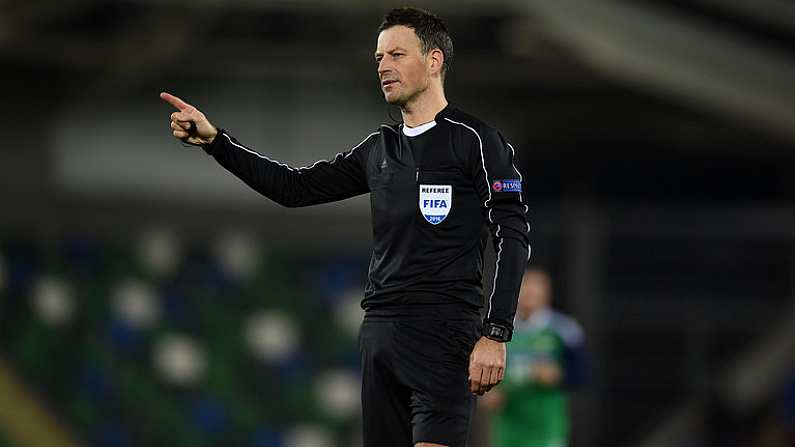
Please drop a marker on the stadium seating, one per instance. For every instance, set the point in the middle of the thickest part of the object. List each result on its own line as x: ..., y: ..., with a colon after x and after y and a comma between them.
x: 165, y: 342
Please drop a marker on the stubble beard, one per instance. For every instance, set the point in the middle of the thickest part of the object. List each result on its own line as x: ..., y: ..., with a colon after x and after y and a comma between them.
x: 406, y: 98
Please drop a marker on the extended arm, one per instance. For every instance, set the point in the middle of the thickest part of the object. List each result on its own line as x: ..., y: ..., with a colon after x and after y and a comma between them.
x: 341, y: 177
x: 325, y: 181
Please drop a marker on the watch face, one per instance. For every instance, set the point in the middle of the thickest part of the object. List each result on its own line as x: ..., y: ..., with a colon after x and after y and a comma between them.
x: 496, y: 332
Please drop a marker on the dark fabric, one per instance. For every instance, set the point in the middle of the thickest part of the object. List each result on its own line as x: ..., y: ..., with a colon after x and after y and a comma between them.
x: 415, y: 262
x: 415, y: 380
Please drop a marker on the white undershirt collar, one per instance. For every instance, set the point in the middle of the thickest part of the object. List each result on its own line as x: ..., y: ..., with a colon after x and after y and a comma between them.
x: 414, y: 131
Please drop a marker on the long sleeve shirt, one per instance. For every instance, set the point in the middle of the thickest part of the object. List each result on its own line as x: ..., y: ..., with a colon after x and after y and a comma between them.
x: 438, y: 193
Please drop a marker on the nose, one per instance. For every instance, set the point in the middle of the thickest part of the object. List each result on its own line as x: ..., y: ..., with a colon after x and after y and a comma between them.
x: 383, y: 68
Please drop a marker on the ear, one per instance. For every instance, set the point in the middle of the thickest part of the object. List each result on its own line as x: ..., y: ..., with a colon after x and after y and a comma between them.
x: 436, y: 61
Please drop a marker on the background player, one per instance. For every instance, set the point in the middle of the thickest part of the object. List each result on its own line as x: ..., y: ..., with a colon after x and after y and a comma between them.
x: 544, y: 361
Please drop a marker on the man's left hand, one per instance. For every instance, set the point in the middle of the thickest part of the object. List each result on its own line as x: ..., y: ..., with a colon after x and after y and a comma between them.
x: 486, y: 365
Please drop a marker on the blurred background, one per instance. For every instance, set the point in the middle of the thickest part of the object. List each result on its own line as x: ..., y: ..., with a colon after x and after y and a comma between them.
x: 147, y: 297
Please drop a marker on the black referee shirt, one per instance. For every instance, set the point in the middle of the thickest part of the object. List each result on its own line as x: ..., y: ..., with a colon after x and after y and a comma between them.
x: 433, y: 196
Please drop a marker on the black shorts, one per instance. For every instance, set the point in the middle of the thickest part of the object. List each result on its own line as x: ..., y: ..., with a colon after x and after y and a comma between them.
x: 415, y: 384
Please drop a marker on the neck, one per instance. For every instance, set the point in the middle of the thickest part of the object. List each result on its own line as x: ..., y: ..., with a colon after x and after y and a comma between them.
x: 424, y: 107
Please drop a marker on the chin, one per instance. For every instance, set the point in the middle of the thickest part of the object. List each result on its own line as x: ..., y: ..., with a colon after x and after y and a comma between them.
x: 394, y: 100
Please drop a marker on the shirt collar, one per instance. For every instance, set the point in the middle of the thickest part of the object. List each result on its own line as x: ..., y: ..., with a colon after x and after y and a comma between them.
x: 419, y: 130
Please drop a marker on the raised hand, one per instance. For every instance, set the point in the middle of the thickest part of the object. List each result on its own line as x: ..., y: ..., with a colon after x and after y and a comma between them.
x: 189, y: 124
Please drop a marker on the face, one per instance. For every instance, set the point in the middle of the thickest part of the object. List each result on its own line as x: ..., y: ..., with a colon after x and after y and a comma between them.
x: 534, y: 295
x: 403, y: 70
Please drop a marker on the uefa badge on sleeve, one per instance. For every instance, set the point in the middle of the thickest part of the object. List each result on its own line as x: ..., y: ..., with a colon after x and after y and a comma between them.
x: 507, y: 185
x: 436, y: 201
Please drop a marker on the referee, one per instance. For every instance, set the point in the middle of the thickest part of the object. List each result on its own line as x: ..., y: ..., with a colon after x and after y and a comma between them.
x: 437, y: 183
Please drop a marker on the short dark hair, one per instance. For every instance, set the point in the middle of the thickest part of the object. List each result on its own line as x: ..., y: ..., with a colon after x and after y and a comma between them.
x: 430, y: 29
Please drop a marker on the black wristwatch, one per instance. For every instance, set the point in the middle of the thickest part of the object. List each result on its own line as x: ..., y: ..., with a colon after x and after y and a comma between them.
x: 497, y: 332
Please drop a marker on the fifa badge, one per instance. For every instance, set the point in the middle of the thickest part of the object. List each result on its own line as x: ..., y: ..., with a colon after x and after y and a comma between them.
x: 436, y: 201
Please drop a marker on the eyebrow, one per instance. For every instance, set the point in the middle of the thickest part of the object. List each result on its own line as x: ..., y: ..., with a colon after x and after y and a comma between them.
x: 377, y: 53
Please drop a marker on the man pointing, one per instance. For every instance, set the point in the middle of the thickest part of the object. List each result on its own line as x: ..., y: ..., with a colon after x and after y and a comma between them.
x: 436, y: 182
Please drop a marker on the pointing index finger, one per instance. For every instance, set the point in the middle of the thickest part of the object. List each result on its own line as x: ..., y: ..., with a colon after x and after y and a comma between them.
x: 174, y: 101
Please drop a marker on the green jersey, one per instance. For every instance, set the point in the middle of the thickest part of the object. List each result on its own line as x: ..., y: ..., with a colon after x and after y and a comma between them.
x: 534, y: 415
